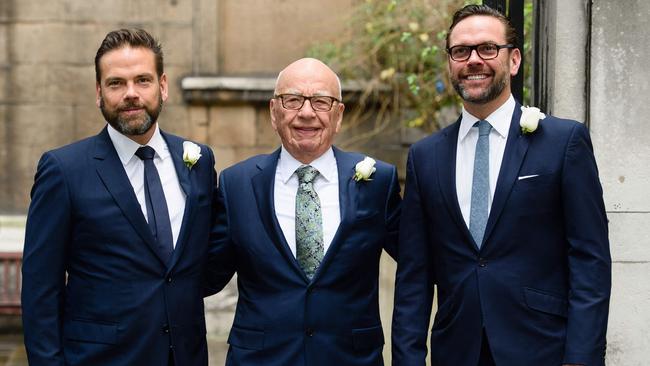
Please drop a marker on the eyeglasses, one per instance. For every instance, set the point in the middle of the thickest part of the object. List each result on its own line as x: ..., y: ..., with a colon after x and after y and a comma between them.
x: 320, y: 103
x: 486, y: 51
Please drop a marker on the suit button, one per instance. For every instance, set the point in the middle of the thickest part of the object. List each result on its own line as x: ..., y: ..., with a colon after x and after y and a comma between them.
x: 309, y: 332
x: 165, y: 328
x: 310, y: 290
x: 482, y: 262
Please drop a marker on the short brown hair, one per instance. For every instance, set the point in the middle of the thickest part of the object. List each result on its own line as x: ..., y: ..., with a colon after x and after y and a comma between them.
x: 471, y: 10
x: 129, y: 37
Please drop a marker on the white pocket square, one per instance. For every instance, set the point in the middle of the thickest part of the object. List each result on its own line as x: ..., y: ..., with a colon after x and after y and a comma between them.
x: 527, y: 176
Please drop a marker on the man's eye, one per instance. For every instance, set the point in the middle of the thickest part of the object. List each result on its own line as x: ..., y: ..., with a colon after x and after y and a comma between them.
x: 460, y: 50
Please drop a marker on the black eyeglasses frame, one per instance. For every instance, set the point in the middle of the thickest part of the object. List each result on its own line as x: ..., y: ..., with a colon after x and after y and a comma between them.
x: 475, y: 48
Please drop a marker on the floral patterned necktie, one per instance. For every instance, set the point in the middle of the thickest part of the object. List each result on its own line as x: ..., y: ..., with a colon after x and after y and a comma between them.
x: 309, y: 222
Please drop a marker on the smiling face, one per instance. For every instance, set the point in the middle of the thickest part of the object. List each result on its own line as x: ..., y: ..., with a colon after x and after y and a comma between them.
x: 484, y: 85
x: 306, y: 133
x: 130, y: 94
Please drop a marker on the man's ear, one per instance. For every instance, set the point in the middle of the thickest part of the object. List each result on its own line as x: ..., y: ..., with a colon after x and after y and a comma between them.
x: 98, y: 96
x: 272, y: 111
x: 339, y: 118
x: 164, y: 91
x: 515, y: 61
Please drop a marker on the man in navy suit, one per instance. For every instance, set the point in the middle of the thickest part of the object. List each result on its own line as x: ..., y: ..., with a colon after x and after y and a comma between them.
x: 305, y: 236
x: 506, y: 220
x: 118, y: 229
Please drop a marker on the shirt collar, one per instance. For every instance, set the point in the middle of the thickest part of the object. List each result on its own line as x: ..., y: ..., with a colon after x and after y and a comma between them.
x: 499, y: 119
x: 325, y: 164
x: 126, y: 147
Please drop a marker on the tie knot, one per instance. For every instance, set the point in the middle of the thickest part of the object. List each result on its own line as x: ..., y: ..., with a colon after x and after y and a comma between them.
x: 306, y: 174
x: 484, y: 127
x: 145, y: 152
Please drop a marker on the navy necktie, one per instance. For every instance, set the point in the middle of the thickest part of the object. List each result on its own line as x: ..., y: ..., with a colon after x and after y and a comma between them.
x: 478, y: 216
x: 157, y: 213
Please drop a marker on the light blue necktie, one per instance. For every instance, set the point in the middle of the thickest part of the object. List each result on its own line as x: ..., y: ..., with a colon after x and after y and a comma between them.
x: 480, y: 183
x: 309, y: 222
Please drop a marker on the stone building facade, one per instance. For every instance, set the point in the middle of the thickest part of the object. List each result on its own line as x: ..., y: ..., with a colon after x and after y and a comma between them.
x: 593, y: 70
x: 47, y: 87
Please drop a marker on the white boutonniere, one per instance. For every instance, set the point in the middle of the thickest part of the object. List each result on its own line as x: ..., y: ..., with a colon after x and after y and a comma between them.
x: 191, y: 153
x: 364, y: 169
x: 530, y: 117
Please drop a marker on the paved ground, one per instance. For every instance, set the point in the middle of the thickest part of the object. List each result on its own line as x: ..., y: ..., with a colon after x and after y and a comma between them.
x: 12, y: 352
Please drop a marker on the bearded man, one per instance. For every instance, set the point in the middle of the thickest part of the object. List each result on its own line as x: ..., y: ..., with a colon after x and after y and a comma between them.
x: 118, y: 229
x: 503, y: 213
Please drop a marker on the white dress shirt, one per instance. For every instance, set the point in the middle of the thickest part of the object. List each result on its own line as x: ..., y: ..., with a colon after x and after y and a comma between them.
x: 134, y: 168
x: 326, y: 185
x: 466, y: 147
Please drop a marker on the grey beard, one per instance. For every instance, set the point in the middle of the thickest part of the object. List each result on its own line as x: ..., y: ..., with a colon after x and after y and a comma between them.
x: 491, y: 93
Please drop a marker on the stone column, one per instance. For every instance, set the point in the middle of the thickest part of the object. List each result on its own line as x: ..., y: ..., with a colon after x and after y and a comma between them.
x: 596, y: 70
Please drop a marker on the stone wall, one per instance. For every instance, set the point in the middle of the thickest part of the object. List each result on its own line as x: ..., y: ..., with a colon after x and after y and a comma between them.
x: 596, y: 70
x: 47, y: 87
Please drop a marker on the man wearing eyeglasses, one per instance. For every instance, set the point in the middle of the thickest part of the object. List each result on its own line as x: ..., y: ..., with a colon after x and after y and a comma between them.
x: 503, y: 212
x: 305, y: 236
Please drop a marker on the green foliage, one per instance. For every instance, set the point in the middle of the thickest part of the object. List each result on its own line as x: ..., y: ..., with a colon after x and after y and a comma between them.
x: 528, y: 51
x: 397, y: 47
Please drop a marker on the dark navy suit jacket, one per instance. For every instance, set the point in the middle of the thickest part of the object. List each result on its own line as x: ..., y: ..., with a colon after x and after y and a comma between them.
x: 539, y: 285
x: 95, y: 291
x: 282, y: 318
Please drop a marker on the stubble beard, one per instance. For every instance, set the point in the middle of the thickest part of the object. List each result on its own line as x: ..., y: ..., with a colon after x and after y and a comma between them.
x: 127, y: 126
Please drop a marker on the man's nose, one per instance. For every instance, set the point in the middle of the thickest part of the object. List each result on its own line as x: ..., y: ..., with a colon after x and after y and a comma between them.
x: 307, y: 109
x: 474, y: 57
x: 131, y: 92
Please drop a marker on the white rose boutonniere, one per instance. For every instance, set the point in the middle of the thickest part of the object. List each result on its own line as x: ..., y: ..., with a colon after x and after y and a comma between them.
x: 191, y: 153
x: 530, y: 117
x: 364, y: 169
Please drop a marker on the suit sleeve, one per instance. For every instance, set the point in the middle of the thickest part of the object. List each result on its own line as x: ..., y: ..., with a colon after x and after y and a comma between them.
x: 393, y: 211
x: 221, y: 260
x: 413, y: 284
x: 588, y: 255
x: 47, y: 235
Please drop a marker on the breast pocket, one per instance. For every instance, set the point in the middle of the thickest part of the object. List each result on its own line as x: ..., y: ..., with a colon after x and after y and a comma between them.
x: 535, y: 195
x: 526, y: 182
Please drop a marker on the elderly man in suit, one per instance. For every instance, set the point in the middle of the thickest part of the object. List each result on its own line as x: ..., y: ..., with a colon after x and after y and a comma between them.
x: 118, y: 229
x: 304, y: 228
x: 504, y: 214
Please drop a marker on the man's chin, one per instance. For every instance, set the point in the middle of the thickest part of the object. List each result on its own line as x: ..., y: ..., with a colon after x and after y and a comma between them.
x: 133, y: 128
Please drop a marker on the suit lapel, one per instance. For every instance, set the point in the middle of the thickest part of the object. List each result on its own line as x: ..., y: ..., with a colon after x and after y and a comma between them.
x: 446, y: 161
x: 184, y: 174
x: 263, y: 186
x: 348, y: 200
x: 513, y: 156
x: 111, y: 172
